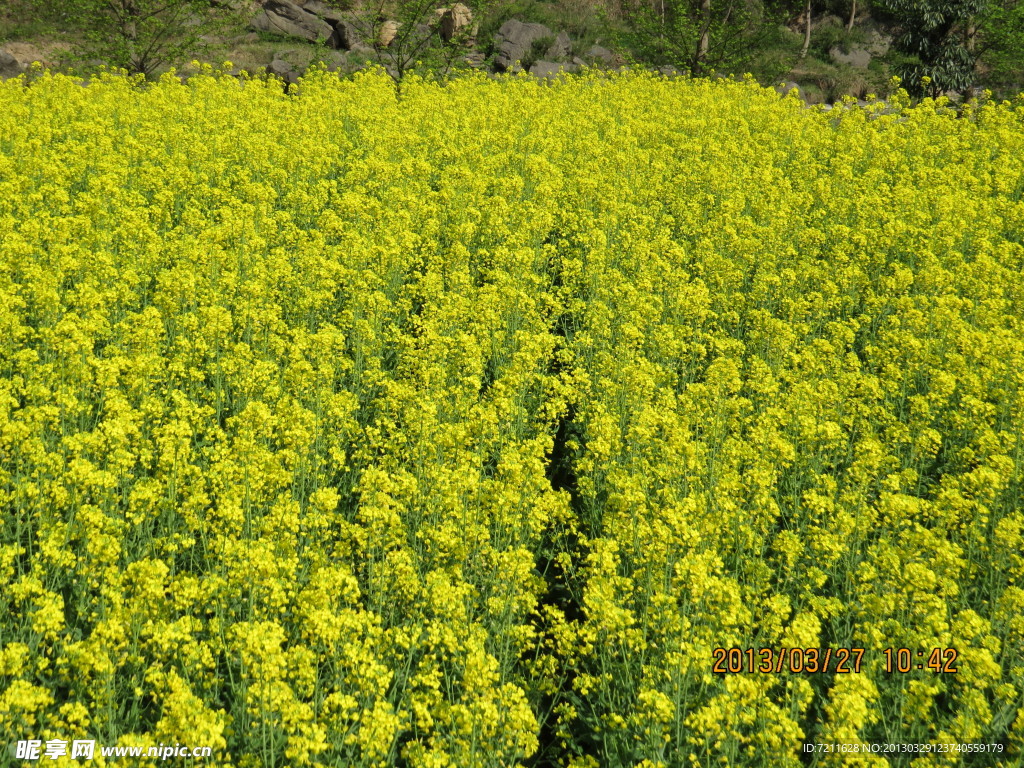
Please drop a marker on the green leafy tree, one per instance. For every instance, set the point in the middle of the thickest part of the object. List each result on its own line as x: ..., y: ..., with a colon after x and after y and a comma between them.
x: 703, y: 35
x: 851, y: 9
x: 936, y: 36
x: 417, y: 35
x: 140, y: 35
x: 998, y: 40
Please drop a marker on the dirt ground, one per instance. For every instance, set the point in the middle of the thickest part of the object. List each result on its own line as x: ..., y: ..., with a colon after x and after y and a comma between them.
x: 48, y: 52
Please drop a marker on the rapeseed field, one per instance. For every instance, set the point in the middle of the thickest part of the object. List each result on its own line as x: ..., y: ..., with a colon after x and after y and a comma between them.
x: 612, y: 421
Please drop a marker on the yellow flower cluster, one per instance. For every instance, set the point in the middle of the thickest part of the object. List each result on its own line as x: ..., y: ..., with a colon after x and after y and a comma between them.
x: 460, y: 429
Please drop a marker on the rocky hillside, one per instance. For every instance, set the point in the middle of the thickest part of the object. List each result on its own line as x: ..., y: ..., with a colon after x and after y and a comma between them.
x: 826, y: 60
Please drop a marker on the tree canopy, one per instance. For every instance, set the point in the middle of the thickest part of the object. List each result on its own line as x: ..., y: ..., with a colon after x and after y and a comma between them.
x: 705, y: 35
x: 140, y: 35
x: 938, y: 35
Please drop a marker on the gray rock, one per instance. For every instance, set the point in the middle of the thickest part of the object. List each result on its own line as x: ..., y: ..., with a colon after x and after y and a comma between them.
x: 550, y: 69
x: 286, y: 18
x: 454, y: 20
x: 561, y: 48
x: 513, y: 41
x: 331, y: 15
x: 346, y: 36
x: 879, y: 44
x: 9, y: 66
x: 785, y: 88
x: 387, y: 33
x: 603, y: 55
x: 284, y: 70
x: 858, y: 58
x: 669, y: 71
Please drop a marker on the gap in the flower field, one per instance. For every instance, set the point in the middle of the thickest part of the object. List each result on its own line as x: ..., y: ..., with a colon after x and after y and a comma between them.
x: 563, y: 554
x: 560, y: 558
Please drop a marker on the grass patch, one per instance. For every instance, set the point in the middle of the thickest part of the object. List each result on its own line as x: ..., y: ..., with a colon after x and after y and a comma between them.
x: 21, y: 20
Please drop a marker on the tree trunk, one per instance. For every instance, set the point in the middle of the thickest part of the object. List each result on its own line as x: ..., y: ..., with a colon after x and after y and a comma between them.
x: 853, y: 15
x: 807, y: 33
x: 970, y: 35
x: 705, y: 34
x: 130, y: 31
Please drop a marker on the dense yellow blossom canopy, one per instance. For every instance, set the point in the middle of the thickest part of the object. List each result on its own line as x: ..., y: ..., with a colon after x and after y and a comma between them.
x: 462, y: 429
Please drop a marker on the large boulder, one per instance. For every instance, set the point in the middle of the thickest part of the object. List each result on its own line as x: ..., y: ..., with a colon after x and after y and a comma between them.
x: 783, y: 89
x: 454, y: 20
x: 346, y: 36
x: 879, y: 43
x: 514, y: 41
x: 9, y: 66
x: 345, y: 30
x: 857, y: 58
x: 284, y: 17
x: 601, y: 55
x: 388, y: 32
x: 550, y: 69
x: 561, y: 48
x: 321, y: 10
x: 284, y: 70
x: 47, y: 54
